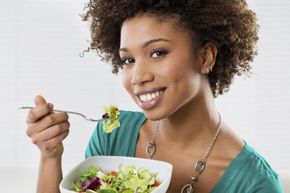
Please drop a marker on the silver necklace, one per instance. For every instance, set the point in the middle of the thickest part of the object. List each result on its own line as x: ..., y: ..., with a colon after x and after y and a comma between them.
x: 199, y: 165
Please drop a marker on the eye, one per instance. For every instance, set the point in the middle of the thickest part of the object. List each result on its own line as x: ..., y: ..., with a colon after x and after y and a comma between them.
x: 127, y: 60
x: 158, y: 53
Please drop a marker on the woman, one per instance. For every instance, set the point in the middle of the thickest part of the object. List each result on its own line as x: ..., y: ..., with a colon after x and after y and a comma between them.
x: 175, y: 58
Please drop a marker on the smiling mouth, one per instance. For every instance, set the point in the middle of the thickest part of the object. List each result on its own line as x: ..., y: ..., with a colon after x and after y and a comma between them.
x: 148, y: 100
x: 150, y: 96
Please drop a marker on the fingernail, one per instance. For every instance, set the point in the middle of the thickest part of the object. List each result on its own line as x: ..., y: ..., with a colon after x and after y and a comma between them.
x: 50, y: 105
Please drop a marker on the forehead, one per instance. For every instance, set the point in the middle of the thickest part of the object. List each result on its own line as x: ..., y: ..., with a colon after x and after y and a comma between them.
x: 142, y: 28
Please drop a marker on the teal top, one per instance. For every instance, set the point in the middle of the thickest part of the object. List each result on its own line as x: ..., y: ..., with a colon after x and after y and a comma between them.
x: 249, y: 172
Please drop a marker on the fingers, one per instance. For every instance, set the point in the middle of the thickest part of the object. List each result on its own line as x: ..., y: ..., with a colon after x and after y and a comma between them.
x: 42, y: 108
x: 51, y: 135
x: 50, y: 146
x: 46, y: 122
x: 46, y: 128
x: 39, y: 112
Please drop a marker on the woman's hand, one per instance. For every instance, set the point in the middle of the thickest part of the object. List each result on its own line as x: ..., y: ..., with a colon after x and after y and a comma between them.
x: 46, y: 128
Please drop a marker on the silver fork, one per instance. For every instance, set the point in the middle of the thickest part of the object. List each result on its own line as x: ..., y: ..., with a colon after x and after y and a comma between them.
x: 71, y: 112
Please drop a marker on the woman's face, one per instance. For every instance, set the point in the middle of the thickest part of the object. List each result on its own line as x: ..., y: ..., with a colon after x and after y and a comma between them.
x: 161, y: 67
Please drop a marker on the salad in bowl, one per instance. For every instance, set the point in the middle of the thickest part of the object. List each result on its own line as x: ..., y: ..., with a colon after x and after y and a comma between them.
x: 116, y: 174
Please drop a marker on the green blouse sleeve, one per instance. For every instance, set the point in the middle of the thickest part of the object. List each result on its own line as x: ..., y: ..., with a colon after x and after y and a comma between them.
x: 270, y: 184
x: 249, y: 172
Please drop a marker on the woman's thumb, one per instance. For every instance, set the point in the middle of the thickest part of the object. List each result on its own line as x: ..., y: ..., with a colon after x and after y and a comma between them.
x: 39, y: 100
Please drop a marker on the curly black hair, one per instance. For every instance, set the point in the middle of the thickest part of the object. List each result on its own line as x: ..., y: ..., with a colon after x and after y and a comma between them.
x: 229, y: 24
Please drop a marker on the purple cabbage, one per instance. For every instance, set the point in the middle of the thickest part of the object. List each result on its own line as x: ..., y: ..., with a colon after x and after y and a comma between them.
x: 91, y: 184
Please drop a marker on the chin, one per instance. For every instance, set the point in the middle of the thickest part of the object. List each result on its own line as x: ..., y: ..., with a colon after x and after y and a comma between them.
x: 154, y: 115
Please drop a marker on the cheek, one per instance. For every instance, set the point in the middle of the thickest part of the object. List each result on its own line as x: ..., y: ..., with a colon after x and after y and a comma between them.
x: 126, y: 80
x: 177, y: 70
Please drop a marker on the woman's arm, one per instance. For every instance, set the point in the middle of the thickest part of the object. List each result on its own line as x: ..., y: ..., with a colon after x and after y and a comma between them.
x: 49, y: 176
x: 47, y: 130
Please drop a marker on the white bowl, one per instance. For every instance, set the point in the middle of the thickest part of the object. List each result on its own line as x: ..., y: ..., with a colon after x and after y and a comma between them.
x: 110, y: 163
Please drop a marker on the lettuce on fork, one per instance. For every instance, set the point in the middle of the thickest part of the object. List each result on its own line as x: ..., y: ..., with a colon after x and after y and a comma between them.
x: 111, y: 121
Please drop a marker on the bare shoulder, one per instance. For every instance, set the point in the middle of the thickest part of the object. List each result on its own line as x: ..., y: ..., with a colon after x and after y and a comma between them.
x: 229, y: 144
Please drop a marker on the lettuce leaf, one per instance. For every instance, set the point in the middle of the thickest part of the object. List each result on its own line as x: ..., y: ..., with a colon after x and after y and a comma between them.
x: 112, y: 122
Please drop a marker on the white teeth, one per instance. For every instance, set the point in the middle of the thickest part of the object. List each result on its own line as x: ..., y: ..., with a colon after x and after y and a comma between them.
x: 142, y: 97
x: 149, y: 96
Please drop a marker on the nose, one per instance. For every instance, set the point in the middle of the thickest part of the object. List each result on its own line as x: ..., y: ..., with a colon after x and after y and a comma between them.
x: 142, y: 73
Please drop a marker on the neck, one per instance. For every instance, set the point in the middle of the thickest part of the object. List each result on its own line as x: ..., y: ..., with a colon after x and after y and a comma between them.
x: 195, y: 121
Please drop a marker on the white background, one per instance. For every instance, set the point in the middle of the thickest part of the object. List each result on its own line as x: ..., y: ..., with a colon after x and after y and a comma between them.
x: 40, y: 42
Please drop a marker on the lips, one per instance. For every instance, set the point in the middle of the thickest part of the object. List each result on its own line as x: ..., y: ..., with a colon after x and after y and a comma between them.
x: 150, y: 98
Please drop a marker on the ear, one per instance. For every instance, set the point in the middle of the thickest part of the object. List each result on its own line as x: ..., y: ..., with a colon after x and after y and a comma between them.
x: 208, y: 54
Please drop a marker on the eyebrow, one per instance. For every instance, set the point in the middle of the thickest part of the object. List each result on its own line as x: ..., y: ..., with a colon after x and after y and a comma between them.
x: 146, y: 44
